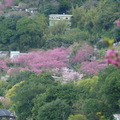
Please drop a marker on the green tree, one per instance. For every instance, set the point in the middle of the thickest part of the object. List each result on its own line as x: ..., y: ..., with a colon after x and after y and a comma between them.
x: 64, y: 6
x: 30, y: 32
x: 27, y: 91
x: 52, y: 41
x: 3, y: 85
x: 8, y: 32
x: 77, y: 117
x: 55, y: 110
x: 68, y: 92
x: 74, y: 35
x: 58, y: 28
x: 87, y: 87
x: 21, y: 76
x: 110, y: 91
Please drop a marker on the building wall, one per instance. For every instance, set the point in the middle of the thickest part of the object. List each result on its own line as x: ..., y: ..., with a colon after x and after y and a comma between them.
x: 56, y: 18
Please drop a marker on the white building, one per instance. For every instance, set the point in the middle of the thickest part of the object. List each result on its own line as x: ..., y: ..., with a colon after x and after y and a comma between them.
x: 14, y: 53
x: 55, y: 18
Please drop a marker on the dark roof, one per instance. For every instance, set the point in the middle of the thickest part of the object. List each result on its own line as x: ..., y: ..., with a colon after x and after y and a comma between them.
x: 4, y: 112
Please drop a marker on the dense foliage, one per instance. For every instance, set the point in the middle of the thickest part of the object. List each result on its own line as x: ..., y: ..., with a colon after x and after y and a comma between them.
x: 61, y: 75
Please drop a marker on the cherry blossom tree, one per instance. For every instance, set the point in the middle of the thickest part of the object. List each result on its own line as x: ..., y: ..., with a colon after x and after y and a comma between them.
x: 112, y: 54
x: 93, y: 67
x: 13, y: 71
x: 113, y: 57
x: 39, y: 61
x: 83, y: 54
x: 6, y: 4
x: 3, y: 66
x: 118, y: 23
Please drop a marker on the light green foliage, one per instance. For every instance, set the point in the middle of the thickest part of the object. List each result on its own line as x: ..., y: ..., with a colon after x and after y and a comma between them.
x: 4, y: 119
x: 3, y: 85
x: 77, y: 117
x: 52, y: 41
x: 11, y: 92
x: 78, y: 17
x: 58, y: 28
x: 74, y: 35
x: 87, y: 86
x: 98, y: 20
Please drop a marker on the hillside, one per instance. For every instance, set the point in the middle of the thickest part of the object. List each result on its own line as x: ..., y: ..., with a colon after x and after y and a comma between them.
x: 66, y: 70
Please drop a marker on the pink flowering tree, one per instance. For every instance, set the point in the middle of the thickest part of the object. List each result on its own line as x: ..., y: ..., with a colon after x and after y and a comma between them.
x: 3, y: 66
x: 13, y: 71
x: 83, y: 54
x: 66, y: 75
x: 93, y: 67
x: 113, y: 57
x: 118, y: 23
x: 39, y: 61
x: 6, y: 4
x: 112, y: 54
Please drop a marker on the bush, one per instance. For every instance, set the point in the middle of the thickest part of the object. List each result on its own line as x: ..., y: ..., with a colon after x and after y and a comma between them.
x: 77, y: 117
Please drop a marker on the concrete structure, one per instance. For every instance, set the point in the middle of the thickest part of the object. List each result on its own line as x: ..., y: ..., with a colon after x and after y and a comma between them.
x: 4, y: 54
x: 116, y: 116
x: 32, y: 10
x: 55, y: 18
x: 14, y: 53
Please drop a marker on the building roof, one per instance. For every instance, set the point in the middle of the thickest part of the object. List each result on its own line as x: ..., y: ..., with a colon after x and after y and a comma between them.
x: 62, y: 15
x: 116, y: 116
x: 4, y: 112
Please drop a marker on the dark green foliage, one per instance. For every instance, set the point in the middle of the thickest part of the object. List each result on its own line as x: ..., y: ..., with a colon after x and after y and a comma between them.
x: 108, y: 90
x: 55, y: 110
x: 8, y: 32
x: 39, y: 96
x: 64, y: 6
x: 52, y: 41
x: 90, y: 107
x: 24, y: 95
x: 21, y: 76
x: 115, y: 33
x: 101, y: 44
x: 1, y: 92
x: 22, y: 33
x: 111, y: 90
x: 27, y: 91
x: 67, y: 92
